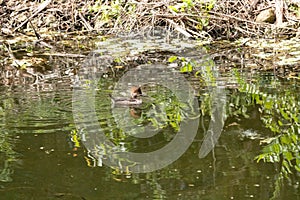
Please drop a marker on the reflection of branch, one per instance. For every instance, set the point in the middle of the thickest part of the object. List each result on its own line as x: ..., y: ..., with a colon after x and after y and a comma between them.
x: 5, y: 175
x: 11, y: 55
x: 216, y: 124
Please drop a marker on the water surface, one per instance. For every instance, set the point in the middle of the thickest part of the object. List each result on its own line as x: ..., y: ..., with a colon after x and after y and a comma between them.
x: 45, y: 155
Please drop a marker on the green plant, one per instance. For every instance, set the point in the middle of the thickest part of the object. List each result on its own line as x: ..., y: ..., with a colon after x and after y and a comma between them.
x: 108, y: 10
x: 186, y: 65
x: 279, y: 113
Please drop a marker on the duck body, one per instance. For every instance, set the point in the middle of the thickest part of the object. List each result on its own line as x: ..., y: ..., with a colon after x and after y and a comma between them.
x: 126, y: 101
x: 135, y: 92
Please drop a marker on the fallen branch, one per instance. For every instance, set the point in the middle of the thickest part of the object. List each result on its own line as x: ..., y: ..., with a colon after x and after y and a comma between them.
x: 179, y: 29
x: 69, y: 55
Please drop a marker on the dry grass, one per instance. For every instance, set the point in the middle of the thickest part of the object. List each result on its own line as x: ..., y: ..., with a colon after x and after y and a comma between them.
x: 224, y: 19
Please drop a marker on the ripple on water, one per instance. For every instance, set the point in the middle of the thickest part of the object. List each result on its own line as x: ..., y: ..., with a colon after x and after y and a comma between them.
x: 32, y: 111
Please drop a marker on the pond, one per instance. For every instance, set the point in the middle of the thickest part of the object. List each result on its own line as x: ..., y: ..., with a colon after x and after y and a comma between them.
x: 203, y: 131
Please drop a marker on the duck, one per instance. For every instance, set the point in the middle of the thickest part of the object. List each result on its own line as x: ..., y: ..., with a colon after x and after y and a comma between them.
x: 135, y: 92
x: 135, y: 112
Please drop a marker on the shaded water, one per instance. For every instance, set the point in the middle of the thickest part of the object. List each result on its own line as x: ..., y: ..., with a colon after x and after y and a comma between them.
x: 39, y: 161
x: 46, y: 155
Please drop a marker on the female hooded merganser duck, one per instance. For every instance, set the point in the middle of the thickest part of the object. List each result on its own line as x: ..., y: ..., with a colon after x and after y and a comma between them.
x: 135, y: 92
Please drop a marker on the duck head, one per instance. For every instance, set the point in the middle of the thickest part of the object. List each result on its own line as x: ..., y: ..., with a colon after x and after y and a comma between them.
x: 135, y: 92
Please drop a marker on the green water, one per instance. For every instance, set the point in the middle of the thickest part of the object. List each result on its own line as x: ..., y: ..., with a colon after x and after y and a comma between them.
x: 61, y: 138
x: 40, y: 160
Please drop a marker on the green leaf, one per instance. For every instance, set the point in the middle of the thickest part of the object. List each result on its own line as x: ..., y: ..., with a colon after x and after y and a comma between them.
x: 285, y: 139
x: 286, y: 166
x: 172, y: 59
x: 294, y: 138
x: 297, y: 166
x: 187, y: 68
x: 261, y: 157
x: 284, y: 114
x: 173, y: 8
x: 269, y: 104
x: 277, y: 148
x: 288, y: 155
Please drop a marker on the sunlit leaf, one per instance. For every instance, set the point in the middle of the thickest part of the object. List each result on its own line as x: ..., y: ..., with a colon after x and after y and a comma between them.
x: 294, y: 138
x: 297, y: 168
x: 285, y: 139
x: 172, y: 59
x: 186, y: 68
x: 286, y: 165
x: 288, y: 155
x: 276, y: 148
x: 284, y: 114
x: 173, y: 8
x: 261, y: 157
x: 268, y: 104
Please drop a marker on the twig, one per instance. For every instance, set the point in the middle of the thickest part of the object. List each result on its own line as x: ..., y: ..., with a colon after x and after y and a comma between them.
x: 15, y: 62
x: 85, y: 23
x: 17, y: 65
x: 253, y: 5
x: 38, y: 10
x: 201, y: 35
x: 245, y: 31
x: 226, y: 17
x: 63, y: 55
x: 37, y: 35
x: 179, y: 29
x: 279, y: 12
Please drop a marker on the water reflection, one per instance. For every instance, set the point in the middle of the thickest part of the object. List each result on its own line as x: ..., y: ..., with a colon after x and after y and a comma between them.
x: 50, y: 162
x: 117, y: 156
x: 43, y: 155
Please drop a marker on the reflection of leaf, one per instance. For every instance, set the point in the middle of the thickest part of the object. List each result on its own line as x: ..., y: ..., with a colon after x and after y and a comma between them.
x: 297, y: 167
x: 268, y: 104
x: 285, y: 139
x: 280, y: 113
x: 284, y: 114
x: 286, y: 167
x: 267, y: 140
x: 288, y: 155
